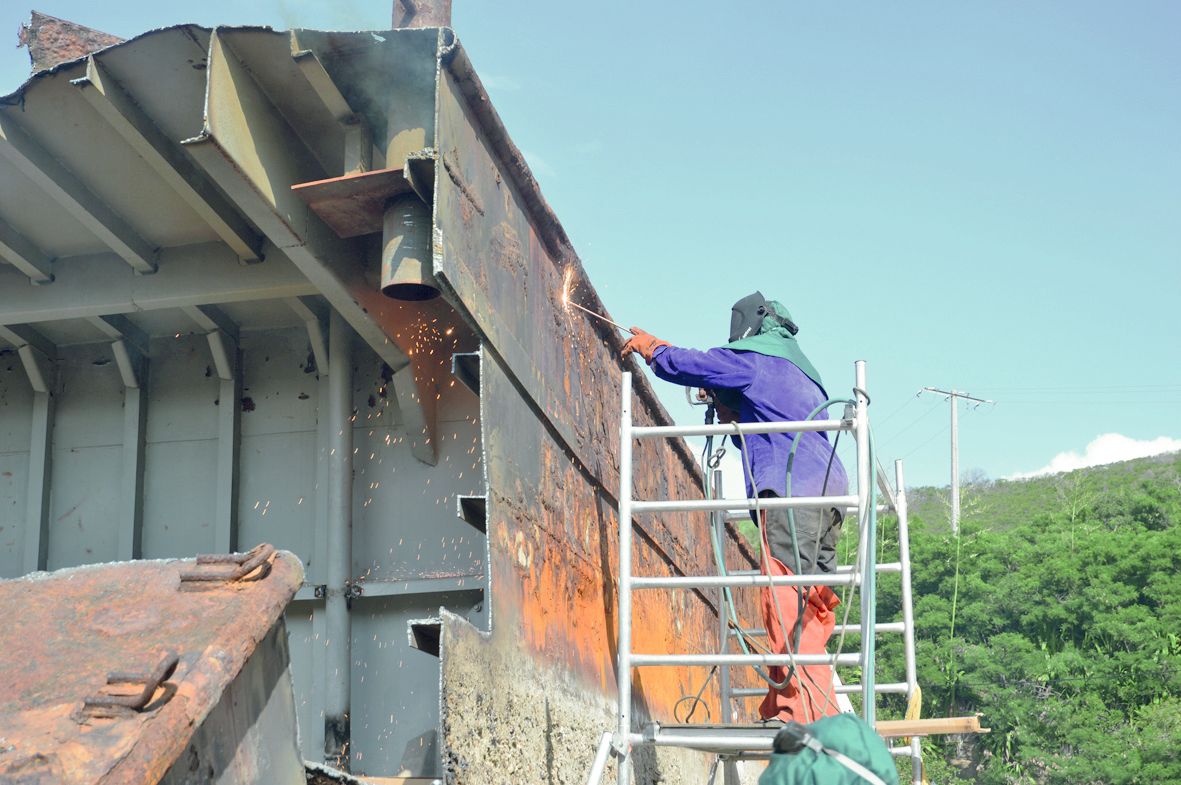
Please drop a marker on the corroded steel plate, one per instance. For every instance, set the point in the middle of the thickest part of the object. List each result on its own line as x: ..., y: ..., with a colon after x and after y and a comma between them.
x: 353, y: 205
x: 66, y: 632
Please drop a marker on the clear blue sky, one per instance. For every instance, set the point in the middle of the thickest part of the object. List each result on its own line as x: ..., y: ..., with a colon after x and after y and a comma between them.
x: 985, y: 196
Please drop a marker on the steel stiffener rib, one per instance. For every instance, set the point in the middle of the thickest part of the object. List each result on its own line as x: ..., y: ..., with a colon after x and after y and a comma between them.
x: 24, y: 255
x: 167, y: 160
x: 36, y: 163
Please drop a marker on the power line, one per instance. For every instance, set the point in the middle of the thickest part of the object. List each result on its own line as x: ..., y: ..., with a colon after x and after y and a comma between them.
x: 953, y: 397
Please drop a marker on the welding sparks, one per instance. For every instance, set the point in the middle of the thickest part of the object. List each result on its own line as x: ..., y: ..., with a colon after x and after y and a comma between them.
x: 567, y: 282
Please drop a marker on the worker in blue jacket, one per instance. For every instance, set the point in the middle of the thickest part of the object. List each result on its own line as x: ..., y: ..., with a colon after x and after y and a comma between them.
x: 762, y: 375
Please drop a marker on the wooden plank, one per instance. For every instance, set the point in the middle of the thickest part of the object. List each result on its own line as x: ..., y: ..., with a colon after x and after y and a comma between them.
x: 929, y: 727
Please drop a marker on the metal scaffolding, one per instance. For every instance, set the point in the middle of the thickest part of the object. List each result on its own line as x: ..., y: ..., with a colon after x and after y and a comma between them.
x: 732, y: 742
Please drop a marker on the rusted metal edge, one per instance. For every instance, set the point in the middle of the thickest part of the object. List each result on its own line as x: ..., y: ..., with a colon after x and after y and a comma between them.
x: 160, y: 745
x: 453, y: 56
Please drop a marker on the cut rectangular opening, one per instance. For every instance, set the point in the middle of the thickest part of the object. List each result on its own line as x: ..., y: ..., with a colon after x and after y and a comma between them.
x: 424, y: 634
x: 474, y: 510
x: 465, y: 366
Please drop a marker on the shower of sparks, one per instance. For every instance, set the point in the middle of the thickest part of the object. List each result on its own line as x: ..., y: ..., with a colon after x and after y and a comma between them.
x: 567, y: 281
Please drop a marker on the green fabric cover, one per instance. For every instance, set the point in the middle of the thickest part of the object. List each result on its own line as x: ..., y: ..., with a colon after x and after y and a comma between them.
x: 774, y: 340
x: 845, y: 733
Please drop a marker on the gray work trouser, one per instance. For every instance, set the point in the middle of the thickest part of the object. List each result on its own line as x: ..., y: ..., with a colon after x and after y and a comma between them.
x: 818, y: 532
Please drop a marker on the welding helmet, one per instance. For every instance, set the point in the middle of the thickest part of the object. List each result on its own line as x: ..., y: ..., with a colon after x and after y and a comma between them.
x: 747, y: 316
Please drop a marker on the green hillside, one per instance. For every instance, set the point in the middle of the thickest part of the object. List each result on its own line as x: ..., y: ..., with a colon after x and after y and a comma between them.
x: 1007, y: 503
x: 1057, y: 614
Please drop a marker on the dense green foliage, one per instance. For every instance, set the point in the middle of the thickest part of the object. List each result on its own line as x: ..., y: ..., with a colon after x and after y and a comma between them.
x: 1057, y: 615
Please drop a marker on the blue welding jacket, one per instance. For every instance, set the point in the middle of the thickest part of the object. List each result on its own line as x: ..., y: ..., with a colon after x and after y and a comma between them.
x: 772, y: 389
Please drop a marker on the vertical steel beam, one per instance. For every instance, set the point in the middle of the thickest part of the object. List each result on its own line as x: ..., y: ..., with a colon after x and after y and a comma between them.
x: 37, y: 355
x: 222, y: 336
x: 955, y: 463
x: 623, y: 732
x: 229, y: 425
x: 36, y: 550
x: 719, y: 524
x: 916, y: 749
x: 130, y: 347
x: 317, y: 571
x: 339, y: 412
x: 135, y: 418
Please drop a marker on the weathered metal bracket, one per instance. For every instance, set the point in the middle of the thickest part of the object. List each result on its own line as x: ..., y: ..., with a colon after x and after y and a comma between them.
x: 307, y: 309
x: 129, y: 344
x: 220, y: 331
x: 34, y: 350
x: 420, y: 173
x: 114, y: 703
x: 254, y: 565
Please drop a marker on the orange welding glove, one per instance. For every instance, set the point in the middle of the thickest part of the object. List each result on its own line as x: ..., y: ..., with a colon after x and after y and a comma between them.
x: 644, y: 343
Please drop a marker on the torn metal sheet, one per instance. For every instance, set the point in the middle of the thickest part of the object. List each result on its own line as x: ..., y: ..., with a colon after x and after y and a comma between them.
x: 105, y: 632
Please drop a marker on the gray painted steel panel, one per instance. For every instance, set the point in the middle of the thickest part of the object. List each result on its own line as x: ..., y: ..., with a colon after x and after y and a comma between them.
x: 395, y: 714
x: 405, y: 524
x: 87, y: 458
x: 16, y: 407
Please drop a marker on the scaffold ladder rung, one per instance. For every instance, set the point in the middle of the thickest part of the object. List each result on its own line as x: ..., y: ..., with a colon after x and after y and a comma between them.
x: 738, y: 742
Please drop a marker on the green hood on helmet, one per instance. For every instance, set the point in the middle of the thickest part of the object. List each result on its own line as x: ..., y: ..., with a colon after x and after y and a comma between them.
x: 775, y: 340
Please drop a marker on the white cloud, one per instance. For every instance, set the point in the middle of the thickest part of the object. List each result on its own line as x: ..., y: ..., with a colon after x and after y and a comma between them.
x: 1104, y: 449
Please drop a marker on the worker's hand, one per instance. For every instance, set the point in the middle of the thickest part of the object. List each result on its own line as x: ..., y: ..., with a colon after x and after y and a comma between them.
x: 644, y: 343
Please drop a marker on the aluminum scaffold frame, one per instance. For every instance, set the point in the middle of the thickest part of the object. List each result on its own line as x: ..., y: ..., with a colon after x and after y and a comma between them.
x: 735, y: 742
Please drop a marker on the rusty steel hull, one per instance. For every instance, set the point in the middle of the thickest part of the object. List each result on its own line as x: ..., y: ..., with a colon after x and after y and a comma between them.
x: 550, y: 411
x: 484, y: 453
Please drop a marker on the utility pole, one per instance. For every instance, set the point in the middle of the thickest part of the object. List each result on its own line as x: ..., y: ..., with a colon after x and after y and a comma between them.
x: 952, y: 395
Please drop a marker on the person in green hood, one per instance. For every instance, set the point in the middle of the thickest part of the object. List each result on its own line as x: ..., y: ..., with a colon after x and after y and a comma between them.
x: 763, y: 375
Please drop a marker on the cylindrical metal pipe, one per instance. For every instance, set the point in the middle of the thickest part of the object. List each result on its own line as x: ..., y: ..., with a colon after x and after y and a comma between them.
x: 719, y: 524
x: 625, y: 574
x: 730, y: 660
x: 868, y: 547
x: 406, y: 266
x: 747, y: 581
x: 600, y: 762
x: 800, y: 426
x: 338, y: 561
x: 955, y: 463
x: 907, y: 611
x: 772, y: 503
x: 886, y: 566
